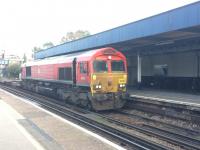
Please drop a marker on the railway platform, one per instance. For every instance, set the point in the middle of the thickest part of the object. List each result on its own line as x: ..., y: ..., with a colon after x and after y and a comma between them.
x: 13, y: 136
x: 25, y: 125
x: 189, y: 100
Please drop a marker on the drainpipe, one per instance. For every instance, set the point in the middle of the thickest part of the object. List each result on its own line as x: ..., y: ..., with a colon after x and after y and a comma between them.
x: 198, y: 61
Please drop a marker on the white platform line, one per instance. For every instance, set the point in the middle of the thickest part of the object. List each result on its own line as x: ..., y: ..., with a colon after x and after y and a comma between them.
x: 165, y: 100
x: 70, y: 123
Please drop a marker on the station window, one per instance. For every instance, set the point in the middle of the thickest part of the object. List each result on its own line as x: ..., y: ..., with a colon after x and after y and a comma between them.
x: 28, y: 71
x: 161, y: 70
x: 83, y: 67
x: 65, y: 73
x: 117, y: 65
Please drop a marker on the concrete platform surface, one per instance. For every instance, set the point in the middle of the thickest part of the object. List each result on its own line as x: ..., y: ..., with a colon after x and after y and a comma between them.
x: 166, y: 96
x: 48, y: 130
x: 12, y: 135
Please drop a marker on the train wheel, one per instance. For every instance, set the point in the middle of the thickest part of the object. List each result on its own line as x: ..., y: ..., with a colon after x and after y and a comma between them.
x: 36, y: 89
x: 89, y: 106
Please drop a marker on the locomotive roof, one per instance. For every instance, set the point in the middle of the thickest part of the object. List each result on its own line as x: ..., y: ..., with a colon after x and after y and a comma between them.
x: 62, y: 59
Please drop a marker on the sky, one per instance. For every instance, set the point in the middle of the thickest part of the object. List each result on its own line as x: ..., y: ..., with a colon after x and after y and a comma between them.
x: 28, y: 23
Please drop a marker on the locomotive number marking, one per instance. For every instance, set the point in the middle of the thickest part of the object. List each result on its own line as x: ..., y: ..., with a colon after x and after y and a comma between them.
x: 121, y: 81
x: 82, y: 78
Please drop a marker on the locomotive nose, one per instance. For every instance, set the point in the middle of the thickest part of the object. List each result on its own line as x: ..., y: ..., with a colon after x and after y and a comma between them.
x: 108, y: 82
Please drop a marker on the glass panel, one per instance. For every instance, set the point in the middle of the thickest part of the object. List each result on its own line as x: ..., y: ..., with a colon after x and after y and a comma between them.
x: 28, y: 71
x: 117, y: 65
x: 65, y: 74
x: 83, y: 67
x: 161, y: 70
x: 100, y: 66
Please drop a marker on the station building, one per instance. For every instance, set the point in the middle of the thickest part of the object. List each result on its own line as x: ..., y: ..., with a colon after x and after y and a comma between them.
x: 163, y: 51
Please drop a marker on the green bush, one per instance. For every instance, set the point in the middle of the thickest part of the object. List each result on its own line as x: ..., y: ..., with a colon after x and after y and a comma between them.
x: 13, y: 70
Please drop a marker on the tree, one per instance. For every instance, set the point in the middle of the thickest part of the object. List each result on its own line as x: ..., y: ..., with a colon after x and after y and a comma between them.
x: 24, y: 58
x: 45, y: 46
x: 48, y: 45
x: 71, y: 36
x: 36, y: 49
x: 13, y: 70
x: 80, y: 34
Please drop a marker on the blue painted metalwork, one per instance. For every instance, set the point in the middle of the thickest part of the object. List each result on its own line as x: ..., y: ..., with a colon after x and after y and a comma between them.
x: 180, y: 18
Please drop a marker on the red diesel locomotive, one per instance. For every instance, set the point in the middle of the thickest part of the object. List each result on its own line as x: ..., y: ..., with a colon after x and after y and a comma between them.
x: 94, y: 79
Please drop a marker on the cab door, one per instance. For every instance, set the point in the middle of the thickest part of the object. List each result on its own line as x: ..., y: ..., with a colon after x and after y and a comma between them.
x: 83, y: 79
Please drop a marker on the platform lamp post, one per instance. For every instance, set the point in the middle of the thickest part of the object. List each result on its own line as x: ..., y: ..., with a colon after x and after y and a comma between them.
x: 3, y: 54
x: 139, y: 69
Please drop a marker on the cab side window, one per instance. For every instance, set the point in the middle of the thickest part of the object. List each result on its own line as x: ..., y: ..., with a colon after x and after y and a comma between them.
x: 83, y: 68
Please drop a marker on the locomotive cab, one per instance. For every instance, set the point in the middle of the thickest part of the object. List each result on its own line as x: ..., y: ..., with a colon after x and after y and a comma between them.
x: 109, y: 78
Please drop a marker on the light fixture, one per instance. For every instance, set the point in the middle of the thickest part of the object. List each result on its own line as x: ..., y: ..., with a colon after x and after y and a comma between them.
x: 164, y: 43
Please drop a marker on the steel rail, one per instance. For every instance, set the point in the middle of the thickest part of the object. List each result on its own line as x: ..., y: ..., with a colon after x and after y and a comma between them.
x: 156, y: 110
x: 171, y: 137
x: 194, y: 132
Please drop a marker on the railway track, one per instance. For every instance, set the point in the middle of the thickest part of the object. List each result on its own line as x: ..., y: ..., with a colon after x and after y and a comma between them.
x: 192, y: 132
x: 183, y: 137
x: 131, y: 141
x: 175, y: 111
x: 174, y: 137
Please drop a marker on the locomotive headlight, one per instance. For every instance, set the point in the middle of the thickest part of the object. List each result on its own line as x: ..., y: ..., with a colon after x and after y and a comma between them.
x: 98, y: 86
x: 109, y: 57
x: 122, y: 85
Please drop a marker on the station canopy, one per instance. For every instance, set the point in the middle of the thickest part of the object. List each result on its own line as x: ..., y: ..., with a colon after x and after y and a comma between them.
x: 171, y: 31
